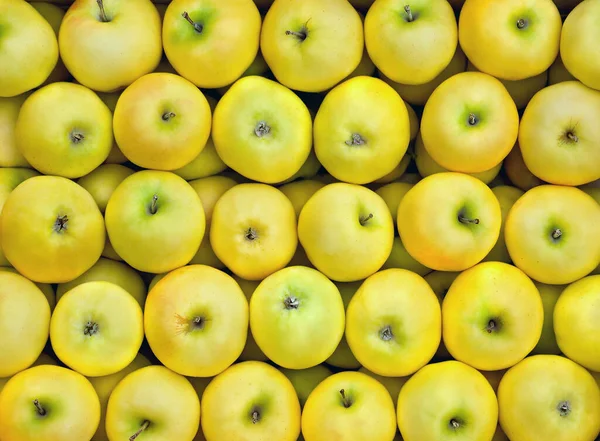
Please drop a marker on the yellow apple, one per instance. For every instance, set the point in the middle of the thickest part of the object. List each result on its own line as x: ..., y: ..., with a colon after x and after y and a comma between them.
x: 102, y: 182
x: 10, y: 156
x: 305, y: 380
x: 343, y: 357
x: 299, y: 192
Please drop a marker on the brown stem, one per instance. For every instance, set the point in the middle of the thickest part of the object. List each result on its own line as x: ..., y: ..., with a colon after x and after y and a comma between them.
x: 90, y: 328
x: 255, y: 416
x: 356, y: 139
x: 299, y: 35
x: 564, y: 408
x: 197, y: 26
x: 572, y: 136
x: 103, y: 17
x: 291, y: 303
x: 364, y: 219
x: 454, y: 424
x: 261, y: 129
x: 472, y: 119
x: 144, y: 426
x: 491, y: 326
x: 466, y: 220
x: 77, y: 137
x: 40, y: 410
x: 168, y: 115
x: 154, y: 205
x: 521, y: 23
x: 386, y: 333
x: 409, y: 13
x: 557, y: 233
x: 345, y: 400
x: 251, y: 234
x: 61, y: 223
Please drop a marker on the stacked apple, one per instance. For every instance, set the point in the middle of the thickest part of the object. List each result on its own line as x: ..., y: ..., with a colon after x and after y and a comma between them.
x: 300, y: 219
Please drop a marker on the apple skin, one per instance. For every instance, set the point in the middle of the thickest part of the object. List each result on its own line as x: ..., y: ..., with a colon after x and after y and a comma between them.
x: 305, y: 380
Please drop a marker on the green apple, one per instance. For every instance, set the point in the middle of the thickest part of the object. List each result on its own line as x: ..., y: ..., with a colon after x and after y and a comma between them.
x: 297, y: 317
x: 107, y: 45
x: 351, y: 406
x: 155, y: 221
x: 153, y: 403
x: 550, y: 295
x: 102, y: 182
x: 64, y: 129
x: 48, y: 403
x: 28, y: 48
x: 305, y: 380
x: 343, y: 357
x: 107, y: 270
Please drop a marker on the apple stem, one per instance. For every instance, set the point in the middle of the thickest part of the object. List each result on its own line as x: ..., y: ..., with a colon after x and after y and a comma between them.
x: 564, y: 408
x: 572, y: 136
x: 472, y: 119
x: 466, y: 220
x: 197, y: 26
x: 521, y: 23
x: 491, y: 326
x: 251, y: 234
x: 61, y: 223
x: 345, y: 400
x: 408, y: 13
x: 255, y: 416
x: 40, y: 410
x: 557, y: 233
x: 77, y: 137
x: 356, y: 139
x: 364, y: 219
x: 168, y: 116
x: 90, y: 328
x: 144, y: 426
x: 154, y: 205
x: 291, y: 303
x: 386, y: 333
x: 262, y: 129
x: 299, y: 35
x: 103, y: 17
x: 454, y: 424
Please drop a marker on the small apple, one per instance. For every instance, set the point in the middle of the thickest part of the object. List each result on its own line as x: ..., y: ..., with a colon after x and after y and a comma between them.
x: 107, y: 45
x: 102, y: 182
x: 171, y: 214
x: 299, y: 192
x: 550, y: 295
x: 134, y: 412
x: 64, y: 129
x: 28, y: 48
x: 518, y: 173
x: 48, y: 403
x: 52, y: 230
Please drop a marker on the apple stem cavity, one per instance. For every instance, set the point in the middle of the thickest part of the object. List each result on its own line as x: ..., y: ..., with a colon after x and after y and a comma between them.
x: 291, y: 302
x: 251, y: 234
x: 61, y: 223
x: 103, y: 17
x: 409, y: 14
x: 564, y: 408
x: 262, y: 129
x: 154, y: 204
x: 557, y: 234
x: 386, y: 333
x: 144, y: 426
x: 167, y: 116
x: 466, y: 220
x: 346, y: 401
x: 90, y: 328
x: 197, y: 26
x: 364, y: 219
x: 77, y: 137
x: 356, y: 139
x: 572, y: 136
x: 40, y: 410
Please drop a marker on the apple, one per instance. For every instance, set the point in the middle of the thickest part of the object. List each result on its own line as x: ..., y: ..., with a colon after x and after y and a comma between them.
x: 311, y: 45
x: 299, y: 192
x: 251, y: 350
x: 250, y: 400
x: 447, y: 400
x: 392, y: 384
x: 551, y: 234
x: 102, y: 182
x: 492, y: 316
x: 524, y: 40
x: 196, y: 320
x: 28, y: 48
x: 262, y: 130
x: 135, y: 412
x: 64, y: 129
x: 50, y: 403
x: 42, y: 359
x: 253, y: 230
x: 518, y: 173
x: 558, y: 72
x: 297, y: 317
x: 550, y: 295
x: 549, y: 397
x: 46, y: 288
x: 106, y: 384
x: 172, y: 215
x: 211, y: 43
x: 10, y: 156
x: 449, y: 221
x: 24, y: 308
x: 305, y: 380
x: 351, y: 406
x: 361, y: 131
x: 393, y: 323
x: 162, y: 121
x: 465, y: 132
x: 354, y: 239
x: 107, y: 45
x: 398, y: 38
x: 52, y: 231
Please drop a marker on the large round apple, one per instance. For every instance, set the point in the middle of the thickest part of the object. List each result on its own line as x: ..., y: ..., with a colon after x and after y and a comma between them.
x: 347, y: 231
x: 52, y: 230
x: 171, y: 214
x: 64, y: 129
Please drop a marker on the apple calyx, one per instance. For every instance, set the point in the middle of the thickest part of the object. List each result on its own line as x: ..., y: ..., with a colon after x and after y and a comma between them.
x: 262, y: 129
x: 103, y: 17
x: 154, y: 205
x: 255, y: 415
x: 76, y: 137
x: 466, y: 220
x: 346, y: 401
x: 364, y: 219
x: 564, y: 408
x: 492, y: 326
x: 409, y: 14
x: 291, y: 302
x: 251, y: 234
x: 197, y: 26
x: 38, y: 407
x: 572, y: 136
x: 90, y: 328
x: 386, y: 333
x: 143, y: 427
x: 356, y: 139
x: 61, y: 223
x: 557, y: 234
x: 167, y: 116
